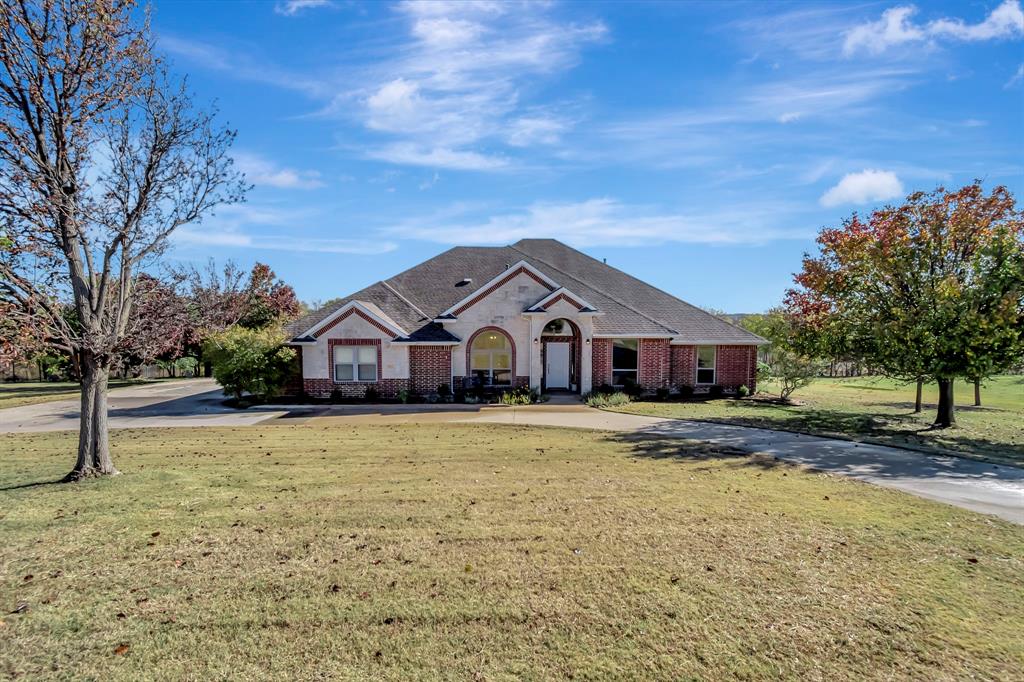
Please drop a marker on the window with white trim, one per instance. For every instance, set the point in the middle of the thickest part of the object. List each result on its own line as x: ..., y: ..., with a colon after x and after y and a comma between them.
x: 355, y: 363
x: 625, y: 361
x: 706, y: 364
x: 490, y: 359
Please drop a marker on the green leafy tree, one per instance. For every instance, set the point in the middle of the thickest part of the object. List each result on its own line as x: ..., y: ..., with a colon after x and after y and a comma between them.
x: 250, y: 361
x: 788, y: 363
x: 931, y: 288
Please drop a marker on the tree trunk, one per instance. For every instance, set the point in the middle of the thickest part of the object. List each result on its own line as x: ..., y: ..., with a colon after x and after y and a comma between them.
x: 977, y: 392
x: 946, y: 414
x: 93, y: 435
x: 917, y: 400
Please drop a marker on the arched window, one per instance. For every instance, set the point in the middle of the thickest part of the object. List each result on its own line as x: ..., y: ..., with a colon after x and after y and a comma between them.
x: 490, y: 358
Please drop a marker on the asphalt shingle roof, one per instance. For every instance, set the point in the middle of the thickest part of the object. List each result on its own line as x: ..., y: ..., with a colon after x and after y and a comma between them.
x: 628, y: 305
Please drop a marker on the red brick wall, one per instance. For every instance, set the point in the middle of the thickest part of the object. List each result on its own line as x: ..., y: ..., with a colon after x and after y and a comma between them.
x: 601, y: 362
x: 736, y: 365
x: 654, y: 363
x: 323, y: 388
x: 429, y: 367
x: 684, y: 361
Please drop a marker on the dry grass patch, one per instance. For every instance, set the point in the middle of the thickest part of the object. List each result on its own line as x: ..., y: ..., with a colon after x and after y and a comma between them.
x: 486, y: 552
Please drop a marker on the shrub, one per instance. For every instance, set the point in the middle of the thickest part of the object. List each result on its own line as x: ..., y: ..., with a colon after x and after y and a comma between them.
x: 605, y: 389
x: 632, y: 389
x: 372, y: 395
x: 742, y: 391
x: 596, y: 399
x: 686, y: 392
x: 662, y: 394
x: 337, y: 396
x: 764, y: 372
x: 793, y: 371
x: 403, y: 396
x: 716, y: 391
x: 518, y: 396
x: 444, y: 391
x: 251, y: 361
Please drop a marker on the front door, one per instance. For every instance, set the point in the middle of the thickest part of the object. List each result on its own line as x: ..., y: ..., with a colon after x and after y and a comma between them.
x: 556, y: 375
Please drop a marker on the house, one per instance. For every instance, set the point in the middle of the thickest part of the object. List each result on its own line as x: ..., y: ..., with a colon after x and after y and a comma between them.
x: 536, y: 313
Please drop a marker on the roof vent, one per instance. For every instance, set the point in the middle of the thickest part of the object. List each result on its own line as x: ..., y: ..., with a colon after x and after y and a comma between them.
x: 464, y: 281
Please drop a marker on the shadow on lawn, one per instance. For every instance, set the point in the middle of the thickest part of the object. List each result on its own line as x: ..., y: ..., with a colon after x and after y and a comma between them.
x: 691, y: 441
x: 906, y: 430
x: 34, y: 484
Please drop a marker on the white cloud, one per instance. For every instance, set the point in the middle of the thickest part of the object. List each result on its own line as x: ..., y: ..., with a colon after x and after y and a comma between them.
x: 412, y: 154
x: 1005, y: 21
x: 897, y: 28
x: 245, y: 65
x: 598, y: 221
x: 863, y: 187
x: 461, y: 81
x: 1016, y: 78
x: 789, y: 116
x: 528, y: 131
x: 262, y: 226
x: 262, y: 172
x: 292, y: 7
x: 894, y: 28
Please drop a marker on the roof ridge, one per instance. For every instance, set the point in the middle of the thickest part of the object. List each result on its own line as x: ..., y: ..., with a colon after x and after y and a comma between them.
x: 648, y: 284
x: 603, y: 293
x: 404, y: 299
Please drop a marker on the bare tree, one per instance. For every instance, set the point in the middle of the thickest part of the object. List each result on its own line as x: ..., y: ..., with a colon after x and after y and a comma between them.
x: 102, y: 157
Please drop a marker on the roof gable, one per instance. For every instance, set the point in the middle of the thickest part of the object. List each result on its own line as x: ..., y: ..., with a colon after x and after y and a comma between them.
x: 495, y: 283
x: 368, y: 311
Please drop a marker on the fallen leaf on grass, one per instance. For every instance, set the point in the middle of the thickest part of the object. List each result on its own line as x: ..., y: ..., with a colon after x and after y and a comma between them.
x: 121, y: 650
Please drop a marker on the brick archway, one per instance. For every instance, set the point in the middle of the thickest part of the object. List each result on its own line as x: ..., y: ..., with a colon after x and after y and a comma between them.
x: 511, y: 343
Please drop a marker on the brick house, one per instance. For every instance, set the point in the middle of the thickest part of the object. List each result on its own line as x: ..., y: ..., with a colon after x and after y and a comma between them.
x: 537, y: 313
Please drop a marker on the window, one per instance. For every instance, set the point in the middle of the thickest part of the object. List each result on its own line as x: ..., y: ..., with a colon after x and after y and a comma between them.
x: 355, y: 363
x: 555, y: 328
x: 706, y: 364
x: 625, y: 355
x: 490, y: 359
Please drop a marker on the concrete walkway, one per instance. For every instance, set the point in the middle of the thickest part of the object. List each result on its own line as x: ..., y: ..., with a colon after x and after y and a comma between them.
x: 181, y: 402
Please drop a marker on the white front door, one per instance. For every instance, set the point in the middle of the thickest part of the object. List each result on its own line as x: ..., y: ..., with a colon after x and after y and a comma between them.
x: 556, y: 374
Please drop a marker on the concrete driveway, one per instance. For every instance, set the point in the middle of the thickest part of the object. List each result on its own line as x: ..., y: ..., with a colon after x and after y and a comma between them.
x: 978, y: 486
x: 182, y: 402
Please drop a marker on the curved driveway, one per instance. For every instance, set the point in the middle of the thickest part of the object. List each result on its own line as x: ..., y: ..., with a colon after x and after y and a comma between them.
x: 986, y: 488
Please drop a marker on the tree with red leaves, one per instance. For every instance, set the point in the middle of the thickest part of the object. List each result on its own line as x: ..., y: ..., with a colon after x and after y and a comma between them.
x: 932, y: 288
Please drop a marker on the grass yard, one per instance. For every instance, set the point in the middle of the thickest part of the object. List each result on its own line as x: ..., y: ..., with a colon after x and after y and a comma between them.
x: 879, y: 410
x: 15, y: 394
x: 486, y: 552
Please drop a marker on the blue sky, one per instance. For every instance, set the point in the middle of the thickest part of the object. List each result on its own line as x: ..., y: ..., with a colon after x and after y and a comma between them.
x: 699, y: 146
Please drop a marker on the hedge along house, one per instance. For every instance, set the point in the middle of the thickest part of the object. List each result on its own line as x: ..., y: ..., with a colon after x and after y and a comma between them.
x: 537, y: 313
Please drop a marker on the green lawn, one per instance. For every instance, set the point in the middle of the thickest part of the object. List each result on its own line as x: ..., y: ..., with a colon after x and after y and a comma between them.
x: 879, y: 410
x: 31, y: 392
x: 330, y: 550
